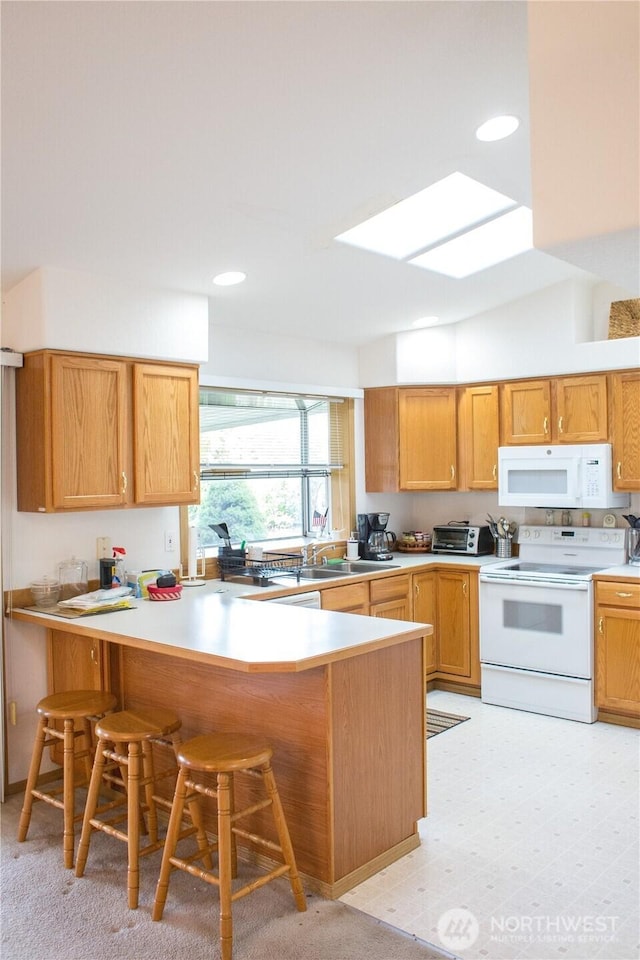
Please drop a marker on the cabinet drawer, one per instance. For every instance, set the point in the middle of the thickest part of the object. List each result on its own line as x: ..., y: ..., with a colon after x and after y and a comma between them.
x: 621, y: 594
x: 345, y: 598
x: 389, y: 588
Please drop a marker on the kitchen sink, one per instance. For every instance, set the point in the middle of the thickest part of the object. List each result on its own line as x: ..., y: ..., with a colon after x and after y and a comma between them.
x: 322, y: 573
x: 359, y: 566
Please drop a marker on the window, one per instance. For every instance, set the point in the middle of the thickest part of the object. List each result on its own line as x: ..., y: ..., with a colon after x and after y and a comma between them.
x: 268, y: 464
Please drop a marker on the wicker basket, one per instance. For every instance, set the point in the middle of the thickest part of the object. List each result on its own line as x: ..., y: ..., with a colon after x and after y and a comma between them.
x: 624, y: 319
x: 165, y: 593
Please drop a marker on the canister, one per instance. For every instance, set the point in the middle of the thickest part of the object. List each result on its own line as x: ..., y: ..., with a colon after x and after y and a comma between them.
x: 73, y: 578
x: 633, y: 545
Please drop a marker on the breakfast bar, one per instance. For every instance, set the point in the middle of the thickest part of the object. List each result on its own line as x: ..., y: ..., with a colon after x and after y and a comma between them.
x: 341, y: 698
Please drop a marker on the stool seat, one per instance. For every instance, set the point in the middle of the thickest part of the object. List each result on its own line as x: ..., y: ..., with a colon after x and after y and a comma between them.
x: 76, y: 710
x: 213, y: 752
x: 138, y: 724
x: 225, y: 755
x: 76, y: 704
x: 124, y: 759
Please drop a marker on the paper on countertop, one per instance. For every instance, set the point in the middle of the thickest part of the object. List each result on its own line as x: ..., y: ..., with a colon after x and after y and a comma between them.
x: 98, y: 599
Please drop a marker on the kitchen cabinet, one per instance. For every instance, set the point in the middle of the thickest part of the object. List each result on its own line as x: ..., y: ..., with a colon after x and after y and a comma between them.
x: 617, y: 644
x: 449, y: 600
x: 390, y: 597
x: 350, y: 598
x: 410, y: 439
x: 424, y: 590
x: 625, y: 420
x: 97, y: 432
x: 478, y: 437
x: 556, y: 410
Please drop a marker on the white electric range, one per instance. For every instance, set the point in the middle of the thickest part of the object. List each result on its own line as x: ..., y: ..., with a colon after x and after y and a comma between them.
x: 536, y: 620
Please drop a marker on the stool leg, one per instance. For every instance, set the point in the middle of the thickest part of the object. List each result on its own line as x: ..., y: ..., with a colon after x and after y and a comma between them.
x: 283, y: 835
x: 148, y: 774
x: 34, y: 770
x: 224, y: 865
x: 133, y: 824
x: 88, y: 748
x: 170, y: 843
x: 90, y: 807
x: 68, y: 791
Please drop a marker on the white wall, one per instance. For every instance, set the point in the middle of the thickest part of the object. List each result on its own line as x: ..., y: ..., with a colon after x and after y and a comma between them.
x: 561, y: 329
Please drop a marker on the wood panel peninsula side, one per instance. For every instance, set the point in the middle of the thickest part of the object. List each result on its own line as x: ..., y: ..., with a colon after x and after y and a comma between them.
x: 340, y: 696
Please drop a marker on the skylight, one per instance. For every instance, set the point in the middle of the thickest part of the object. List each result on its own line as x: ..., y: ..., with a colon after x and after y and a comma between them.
x: 493, y: 242
x: 428, y: 217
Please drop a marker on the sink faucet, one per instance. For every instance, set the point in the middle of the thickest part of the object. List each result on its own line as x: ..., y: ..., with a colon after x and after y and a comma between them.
x: 317, y: 550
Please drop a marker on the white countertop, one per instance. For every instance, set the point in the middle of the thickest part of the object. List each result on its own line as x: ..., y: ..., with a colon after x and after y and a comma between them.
x: 215, y: 627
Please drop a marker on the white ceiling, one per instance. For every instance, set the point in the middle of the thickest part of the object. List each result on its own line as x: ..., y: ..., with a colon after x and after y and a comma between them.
x: 166, y: 142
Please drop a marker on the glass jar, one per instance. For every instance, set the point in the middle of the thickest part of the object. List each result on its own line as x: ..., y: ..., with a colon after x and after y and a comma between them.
x: 73, y: 578
x: 633, y: 545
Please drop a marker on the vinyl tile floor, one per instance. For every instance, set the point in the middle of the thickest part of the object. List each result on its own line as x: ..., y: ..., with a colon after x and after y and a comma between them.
x: 531, y: 844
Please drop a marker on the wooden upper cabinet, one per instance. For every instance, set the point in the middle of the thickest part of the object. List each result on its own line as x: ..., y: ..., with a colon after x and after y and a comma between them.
x: 166, y: 434
x: 410, y: 438
x: 625, y: 396
x: 525, y: 412
x: 95, y: 432
x: 581, y: 409
x: 427, y: 453
x: 557, y: 410
x: 478, y: 437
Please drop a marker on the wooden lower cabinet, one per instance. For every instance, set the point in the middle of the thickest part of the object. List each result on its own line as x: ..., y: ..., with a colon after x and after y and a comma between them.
x: 350, y: 598
x: 617, y: 644
x: 449, y: 600
x: 77, y: 663
x: 390, y: 597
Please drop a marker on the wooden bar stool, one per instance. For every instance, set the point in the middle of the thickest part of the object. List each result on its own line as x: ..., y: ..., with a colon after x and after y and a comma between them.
x: 76, y: 710
x: 124, y: 759
x: 224, y: 755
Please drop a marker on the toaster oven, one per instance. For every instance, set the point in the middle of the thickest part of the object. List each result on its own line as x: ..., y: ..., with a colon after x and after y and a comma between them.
x: 465, y: 539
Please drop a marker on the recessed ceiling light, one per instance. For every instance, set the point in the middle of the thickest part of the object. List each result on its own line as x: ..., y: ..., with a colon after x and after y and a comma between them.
x: 426, y: 322
x: 228, y: 279
x: 497, y: 128
x: 439, y: 211
x: 493, y: 242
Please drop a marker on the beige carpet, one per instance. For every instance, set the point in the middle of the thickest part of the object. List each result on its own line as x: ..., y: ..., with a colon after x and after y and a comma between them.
x: 49, y: 914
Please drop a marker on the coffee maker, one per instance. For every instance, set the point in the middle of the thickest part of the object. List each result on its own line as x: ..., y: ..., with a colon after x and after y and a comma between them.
x: 372, y: 539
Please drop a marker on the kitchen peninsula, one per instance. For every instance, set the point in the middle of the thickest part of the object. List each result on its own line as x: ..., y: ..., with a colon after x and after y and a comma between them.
x: 340, y: 697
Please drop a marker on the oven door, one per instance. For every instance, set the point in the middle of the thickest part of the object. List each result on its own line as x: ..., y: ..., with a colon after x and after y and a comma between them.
x: 543, y: 626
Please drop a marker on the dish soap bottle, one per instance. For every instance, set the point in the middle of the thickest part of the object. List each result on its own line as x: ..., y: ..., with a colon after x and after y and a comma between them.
x: 119, y: 574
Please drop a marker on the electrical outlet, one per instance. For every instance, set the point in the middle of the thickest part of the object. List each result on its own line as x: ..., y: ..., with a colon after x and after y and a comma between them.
x: 103, y: 548
x: 170, y: 541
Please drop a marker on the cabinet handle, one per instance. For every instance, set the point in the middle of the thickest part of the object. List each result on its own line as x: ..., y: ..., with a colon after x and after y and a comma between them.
x: 559, y: 424
x: 545, y: 426
x: 453, y: 472
x: 619, y: 470
x: 621, y: 593
x: 124, y: 483
x: 601, y: 625
x: 93, y: 655
x: 495, y: 470
x: 416, y: 589
x: 464, y: 588
x: 196, y: 480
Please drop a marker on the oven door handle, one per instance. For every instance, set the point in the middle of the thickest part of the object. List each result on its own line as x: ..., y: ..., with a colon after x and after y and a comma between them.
x: 532, y: 582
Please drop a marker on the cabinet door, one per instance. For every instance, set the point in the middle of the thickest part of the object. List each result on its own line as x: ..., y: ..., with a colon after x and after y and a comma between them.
x: 618, y: 659
x: 525, y: 412
x: 166, y: 434
x: 454, y: 628
x: 425, y: 611
x: 351, y: 598
x: 625, y: 394
x: 581, y: 409
x: 76, y: 663
x: 391, y: 609
x: 479, y: 437
x: 427, y: 448
x: 88, y: 432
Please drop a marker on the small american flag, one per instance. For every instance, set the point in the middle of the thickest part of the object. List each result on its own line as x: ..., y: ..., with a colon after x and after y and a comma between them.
x: 319, y: 519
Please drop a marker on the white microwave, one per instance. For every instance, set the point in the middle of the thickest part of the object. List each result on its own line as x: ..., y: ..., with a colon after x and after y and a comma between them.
x: 571, y: 476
